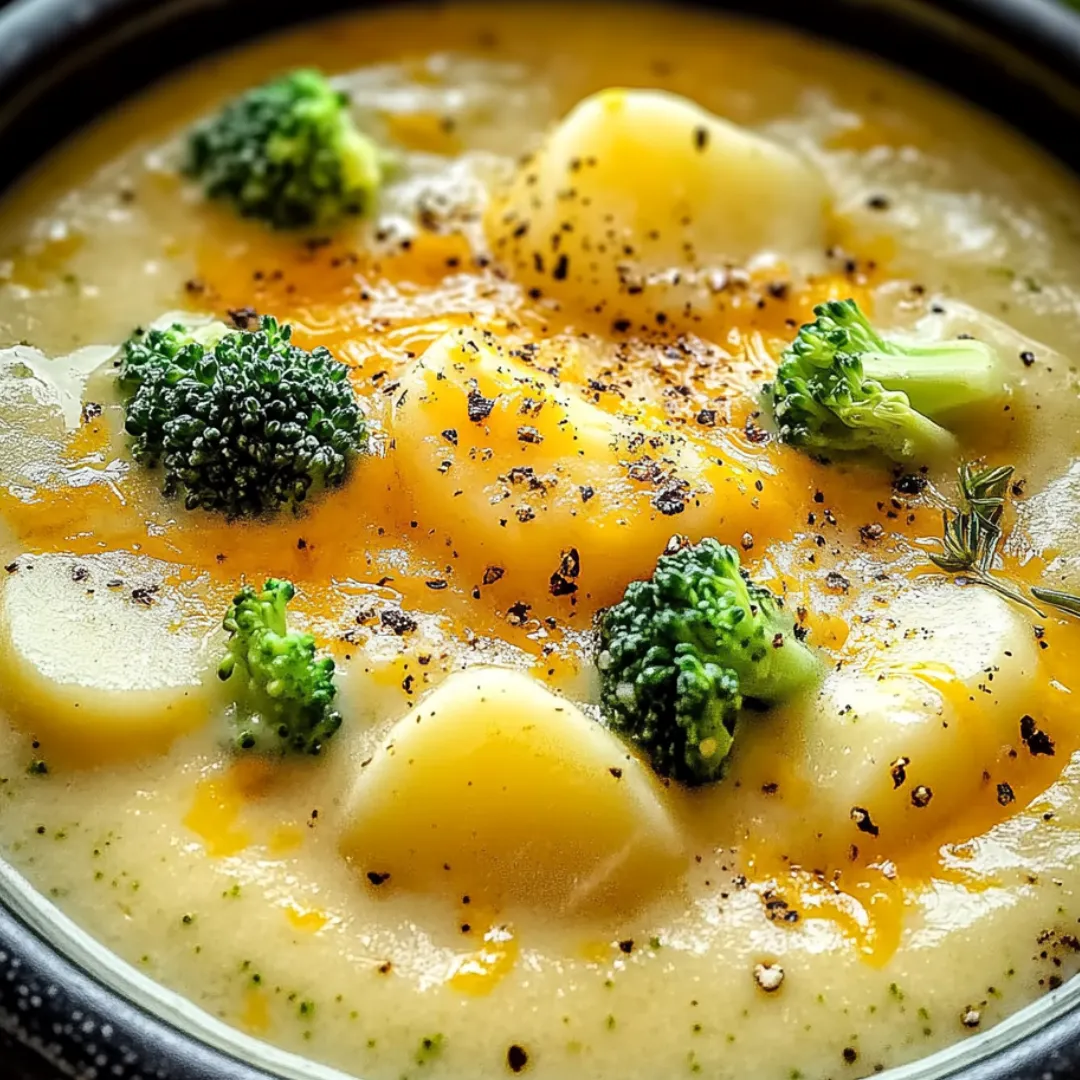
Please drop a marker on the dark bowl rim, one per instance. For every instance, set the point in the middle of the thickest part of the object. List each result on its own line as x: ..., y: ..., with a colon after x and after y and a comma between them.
x: 50, y: 1004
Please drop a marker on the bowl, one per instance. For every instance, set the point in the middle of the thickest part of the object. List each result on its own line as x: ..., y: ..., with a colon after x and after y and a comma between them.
x: 69, y: 1007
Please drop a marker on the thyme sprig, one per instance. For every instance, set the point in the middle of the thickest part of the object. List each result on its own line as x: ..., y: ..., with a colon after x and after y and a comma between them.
x: 971, y: 536
x: 1063, y: 601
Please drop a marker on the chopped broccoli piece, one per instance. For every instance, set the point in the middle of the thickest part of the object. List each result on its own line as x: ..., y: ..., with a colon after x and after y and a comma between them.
x: 288, y: 153
x: 681, y: 652
x: 286, y: 701
x: 242, y: 421
x: 842, y: 387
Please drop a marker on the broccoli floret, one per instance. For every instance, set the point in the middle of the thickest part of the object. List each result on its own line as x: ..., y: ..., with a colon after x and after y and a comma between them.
x: 682, y: 652
x: 242, y: 421
x: 842, y: 387
x: 287, y: 153
x: 285, y: 702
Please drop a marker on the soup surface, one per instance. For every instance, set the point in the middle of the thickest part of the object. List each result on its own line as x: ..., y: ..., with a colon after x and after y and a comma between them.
x: 559, y: 321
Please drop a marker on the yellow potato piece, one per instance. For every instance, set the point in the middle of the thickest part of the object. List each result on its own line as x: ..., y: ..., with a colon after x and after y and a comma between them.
x: 636, y: 192
x: 541, y: 492
x: 98, y: 671
x: 495, y: 788
x: 916, y: 735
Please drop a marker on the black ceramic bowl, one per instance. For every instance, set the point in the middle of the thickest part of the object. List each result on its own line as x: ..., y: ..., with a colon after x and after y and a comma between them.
x: 66, y: 1011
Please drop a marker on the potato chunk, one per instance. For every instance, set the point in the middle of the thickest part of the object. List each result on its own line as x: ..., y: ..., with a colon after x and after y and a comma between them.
x: 920, y: 732
x: 95, y: 663
x: 494, y: 787
x: 637, y: 192
x: 543, y: 492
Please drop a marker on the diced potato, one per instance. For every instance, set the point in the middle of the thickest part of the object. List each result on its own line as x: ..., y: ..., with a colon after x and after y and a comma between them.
x: 918, y: 733
x: 97, y: 671
x: 636, y: 192
x: 543, y: 492
x: 495, y: 788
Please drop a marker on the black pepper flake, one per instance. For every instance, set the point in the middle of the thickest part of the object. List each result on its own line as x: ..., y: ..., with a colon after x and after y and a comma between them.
x: 479, y: 407
x: 627, y: 946
x: 921, y: 796
x: 11, y: 567
x: 616, y: 772
x: 1036, y: 740
x: 777, y: 909
x: 437, y: 584
x: 527, y: 434
x: 562, y: 268
x: 560, y: 586
x: 898, y: 771
x: 877, y: 202
x: 396, y: 620
x: 620, y: 326
x: 755, y: 434
x: 707, y: 418
x: 850, y: 1055
x: 701, y: 138
x: 450, y: 435
x: 377, y: 878
x: 517, y: 614
x: 570, y: 563
x: 863, y: 821
x: 1005, y: 794
x: 671, y: 501
x: 90, y: 411
x: 836, y: 581
x: 1027, y: 357
x: 587, y: 492
x: 517, y: 1058
x: 243, y: 317
x: 493, y: 574
x: 910, y: 484
x: 871, y: 533
x: 144, y: 595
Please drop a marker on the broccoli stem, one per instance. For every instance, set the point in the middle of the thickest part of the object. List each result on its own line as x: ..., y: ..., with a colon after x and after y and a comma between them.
x: 939, y: 377
x: 899, y: 430
x: 841, y: 387
x: 786, y: 670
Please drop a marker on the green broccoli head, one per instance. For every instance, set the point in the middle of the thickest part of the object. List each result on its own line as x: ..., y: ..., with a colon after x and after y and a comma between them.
x: 287, y: 153
x: 242, y: 422
x: 681, y: 652
x: 841, y: 387
x: 284, y: 695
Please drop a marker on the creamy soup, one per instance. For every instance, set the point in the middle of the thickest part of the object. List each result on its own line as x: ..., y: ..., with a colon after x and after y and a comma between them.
x: 595, y: 237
